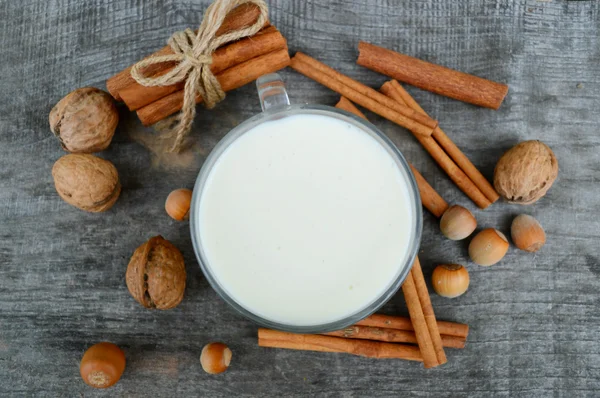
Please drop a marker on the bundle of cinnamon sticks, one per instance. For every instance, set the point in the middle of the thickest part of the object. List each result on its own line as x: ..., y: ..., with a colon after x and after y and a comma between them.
x: 234, y: 65
x: 383, y: 336
x: 378, y: 336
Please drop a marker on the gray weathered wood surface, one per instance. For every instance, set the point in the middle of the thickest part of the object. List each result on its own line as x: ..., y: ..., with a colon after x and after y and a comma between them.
x: 534, y: 318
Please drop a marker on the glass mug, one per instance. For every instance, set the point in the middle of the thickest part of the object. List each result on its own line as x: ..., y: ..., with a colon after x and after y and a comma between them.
x: 276, y: 105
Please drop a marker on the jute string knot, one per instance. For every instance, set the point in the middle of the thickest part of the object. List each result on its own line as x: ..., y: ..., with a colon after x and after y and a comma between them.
x: 193, y: 54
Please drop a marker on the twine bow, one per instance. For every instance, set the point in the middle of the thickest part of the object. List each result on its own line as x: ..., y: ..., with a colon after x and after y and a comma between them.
x: 193, y: 52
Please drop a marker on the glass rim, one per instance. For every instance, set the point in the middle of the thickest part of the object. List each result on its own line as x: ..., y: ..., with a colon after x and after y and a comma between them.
x: 244, y: 127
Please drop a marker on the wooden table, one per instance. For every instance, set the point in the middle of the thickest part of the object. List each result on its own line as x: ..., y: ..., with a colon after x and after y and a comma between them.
x: 534, y: 317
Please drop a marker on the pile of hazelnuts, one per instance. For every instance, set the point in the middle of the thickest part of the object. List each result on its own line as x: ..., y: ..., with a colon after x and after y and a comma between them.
x: 523, y: 175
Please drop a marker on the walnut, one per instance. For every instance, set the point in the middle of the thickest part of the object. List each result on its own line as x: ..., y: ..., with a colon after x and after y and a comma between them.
x: 87, y: 182
x: 85, y: 120
x: 156, y: 274
x: 525, y: 172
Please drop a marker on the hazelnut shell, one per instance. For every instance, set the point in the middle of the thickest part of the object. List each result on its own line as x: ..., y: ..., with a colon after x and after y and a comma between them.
x: 527, y: 233
x: 102, y: 365
x: 84, y: 121
x: 156, y: 274
x: 450, y: 280
x: 86, y: 182
x: 488, y: 247
x: 457, y: 223
x: 525, y: 172
x: 178, y: 203
x: 215, y: 358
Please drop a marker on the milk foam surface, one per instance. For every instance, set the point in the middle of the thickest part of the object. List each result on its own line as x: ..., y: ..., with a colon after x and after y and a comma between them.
x: 305, y: 220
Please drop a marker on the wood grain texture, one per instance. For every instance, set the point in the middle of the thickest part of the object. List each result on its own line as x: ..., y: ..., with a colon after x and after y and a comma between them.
x: 534, y: 317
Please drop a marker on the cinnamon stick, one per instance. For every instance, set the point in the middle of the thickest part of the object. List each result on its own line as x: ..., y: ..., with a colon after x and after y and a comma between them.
x: 431, y: 77
x: 423, y: 293
x: 269, y: 39
x: 455, y: 173
x: 345, y: 104
x: 413, y: 303
x: 363, y: 95
x: 229, y: 79
x: 313, y: 342
x: 292, y: 345
x: 402, y: 323
x: 242, y: 16
x: 430, y: 199
x: 443, y: 160
x: 391, y: 335
x: 451, y: 149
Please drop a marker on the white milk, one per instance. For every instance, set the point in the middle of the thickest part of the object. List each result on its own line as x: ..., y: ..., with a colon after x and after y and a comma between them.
x: 305, y: 220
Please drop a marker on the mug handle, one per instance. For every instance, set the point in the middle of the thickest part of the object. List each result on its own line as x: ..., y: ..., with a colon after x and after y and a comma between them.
x: 271, y: 92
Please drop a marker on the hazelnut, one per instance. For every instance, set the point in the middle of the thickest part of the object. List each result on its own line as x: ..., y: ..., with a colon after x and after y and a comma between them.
x: 457, y: 223
x: 527, y: 233
x: 85, y: 120
x: 102, y: 365
x: 156, y: 274
x: 86, y: 182
x: 488, y: 247
x: 178, y: 204
x: 215, y: 358
x: 525, y: 172
x: 450, y: 280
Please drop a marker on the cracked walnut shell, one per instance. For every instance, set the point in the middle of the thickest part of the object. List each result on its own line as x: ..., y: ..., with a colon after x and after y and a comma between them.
x: 156, y: 274
x: 525, y: 172
x: 85, y: 120
x: 86, y: 182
